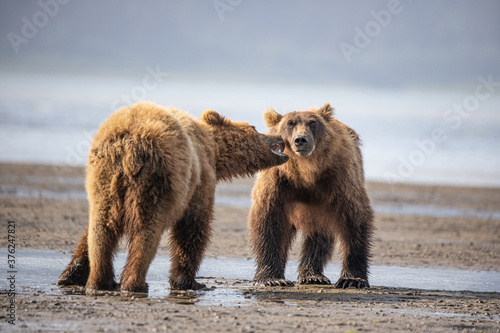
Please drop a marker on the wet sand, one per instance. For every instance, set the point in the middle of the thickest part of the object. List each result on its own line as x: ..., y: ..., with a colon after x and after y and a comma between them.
x: 417, y: 226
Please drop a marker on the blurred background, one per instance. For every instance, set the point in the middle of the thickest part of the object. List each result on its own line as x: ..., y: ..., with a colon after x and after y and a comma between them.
x: 418, y: 80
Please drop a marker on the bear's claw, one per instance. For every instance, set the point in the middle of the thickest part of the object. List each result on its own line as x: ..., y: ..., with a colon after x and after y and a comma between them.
x: 141, y: 288
x: 314, y: 279
x: 273, y: 282
x: 359, y: 283
x: 94, y: 289
x: 187, y: 285
x: 76, y: 274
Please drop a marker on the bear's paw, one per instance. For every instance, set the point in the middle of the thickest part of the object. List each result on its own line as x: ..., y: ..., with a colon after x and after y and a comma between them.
x: 76, y: 274
x: 314, y: 279
x: 344, y: 283
x: 272, y: 282
x: 186, y: 284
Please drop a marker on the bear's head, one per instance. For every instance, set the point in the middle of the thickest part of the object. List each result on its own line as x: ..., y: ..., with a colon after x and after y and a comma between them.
x: 301, y: 130
x: 241, y: 149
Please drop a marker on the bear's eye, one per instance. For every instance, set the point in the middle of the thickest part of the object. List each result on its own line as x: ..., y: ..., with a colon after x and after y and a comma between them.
x: 290, y: 123
x: 312, y: 123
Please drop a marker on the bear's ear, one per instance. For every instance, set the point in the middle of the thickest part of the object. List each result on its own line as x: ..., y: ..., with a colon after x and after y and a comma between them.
x: 326, y: 111
x: 213, y: 118
x: 271, y: 117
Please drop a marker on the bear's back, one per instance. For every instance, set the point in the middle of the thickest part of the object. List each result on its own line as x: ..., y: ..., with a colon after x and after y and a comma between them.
x: 172, y: 131
x: 154, y: 139
x: 144, y: 120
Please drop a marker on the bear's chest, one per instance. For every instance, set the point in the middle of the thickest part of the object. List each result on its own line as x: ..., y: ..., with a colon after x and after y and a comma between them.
x: 310, y: 214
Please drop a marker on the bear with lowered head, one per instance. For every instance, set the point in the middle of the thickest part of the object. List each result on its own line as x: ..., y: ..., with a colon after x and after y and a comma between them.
x: 319, y: 192
x: 150, y: 169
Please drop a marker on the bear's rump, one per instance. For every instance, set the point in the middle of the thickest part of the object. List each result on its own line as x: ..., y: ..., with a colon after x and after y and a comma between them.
x: 143, y: 174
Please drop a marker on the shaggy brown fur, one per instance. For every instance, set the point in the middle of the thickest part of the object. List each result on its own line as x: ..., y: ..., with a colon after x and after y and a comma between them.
x: 319, y: 192
x: 152, y: 169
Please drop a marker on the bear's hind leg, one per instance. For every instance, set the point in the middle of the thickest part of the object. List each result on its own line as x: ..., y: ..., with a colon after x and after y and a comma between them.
x: 102, y: 243
x: 189, y: 238
x: 142, y: 247
x: 78, y: 270
x: 316, y: 251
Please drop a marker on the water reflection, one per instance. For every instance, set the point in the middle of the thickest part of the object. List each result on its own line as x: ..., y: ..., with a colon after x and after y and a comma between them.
x: 229, y: 283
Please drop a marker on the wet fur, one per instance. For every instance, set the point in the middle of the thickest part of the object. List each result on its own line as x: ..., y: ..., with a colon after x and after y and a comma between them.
x: 151, y: 169
x: 322, y: 195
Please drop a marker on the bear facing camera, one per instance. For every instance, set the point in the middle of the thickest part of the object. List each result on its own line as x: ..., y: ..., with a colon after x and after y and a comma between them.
x: 319, y: 192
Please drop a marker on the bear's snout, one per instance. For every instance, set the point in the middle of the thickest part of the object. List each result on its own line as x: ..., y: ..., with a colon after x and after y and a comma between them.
x: 303, y: 145
x: 301, y: 141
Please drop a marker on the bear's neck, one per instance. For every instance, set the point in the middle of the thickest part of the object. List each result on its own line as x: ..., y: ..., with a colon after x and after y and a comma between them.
x: 231, y: 160
x: 303, y: 171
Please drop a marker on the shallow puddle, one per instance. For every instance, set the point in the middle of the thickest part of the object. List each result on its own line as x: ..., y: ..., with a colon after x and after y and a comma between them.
x: 229, y: 280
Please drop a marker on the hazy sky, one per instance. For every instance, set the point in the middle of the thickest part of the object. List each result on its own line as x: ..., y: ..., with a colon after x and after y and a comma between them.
x: 372, y: 43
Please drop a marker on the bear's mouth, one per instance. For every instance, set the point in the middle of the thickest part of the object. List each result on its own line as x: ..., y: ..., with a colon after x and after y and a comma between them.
x: 303, y: 152
x: 278, y: 148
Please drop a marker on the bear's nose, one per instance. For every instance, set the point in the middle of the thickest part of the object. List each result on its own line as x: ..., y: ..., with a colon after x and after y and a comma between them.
x: 301, y: 141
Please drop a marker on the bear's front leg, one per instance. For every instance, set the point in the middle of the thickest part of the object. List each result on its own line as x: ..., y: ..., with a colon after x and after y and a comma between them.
x: 271, y: 235
x: 355, y: 264
x: 316, y: 252
x: 78, y: 270
x: 356, y: 241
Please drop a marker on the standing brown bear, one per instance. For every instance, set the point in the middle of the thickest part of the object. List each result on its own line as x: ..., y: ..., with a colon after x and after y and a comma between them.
x: 319, y: 192
x: 151, y: 169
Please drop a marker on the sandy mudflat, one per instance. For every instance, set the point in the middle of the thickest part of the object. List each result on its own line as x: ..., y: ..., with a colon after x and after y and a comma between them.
x: 417, y: 226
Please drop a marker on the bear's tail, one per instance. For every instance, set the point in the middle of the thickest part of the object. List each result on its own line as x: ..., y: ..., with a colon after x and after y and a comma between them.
x: 140, y: 185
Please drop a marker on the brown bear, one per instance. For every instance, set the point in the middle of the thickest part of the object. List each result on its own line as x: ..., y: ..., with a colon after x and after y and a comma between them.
x: 319, y: 192
x: 151, y: 169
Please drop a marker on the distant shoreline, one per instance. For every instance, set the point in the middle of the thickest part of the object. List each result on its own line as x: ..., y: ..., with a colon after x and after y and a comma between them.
x: 63, y: 170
